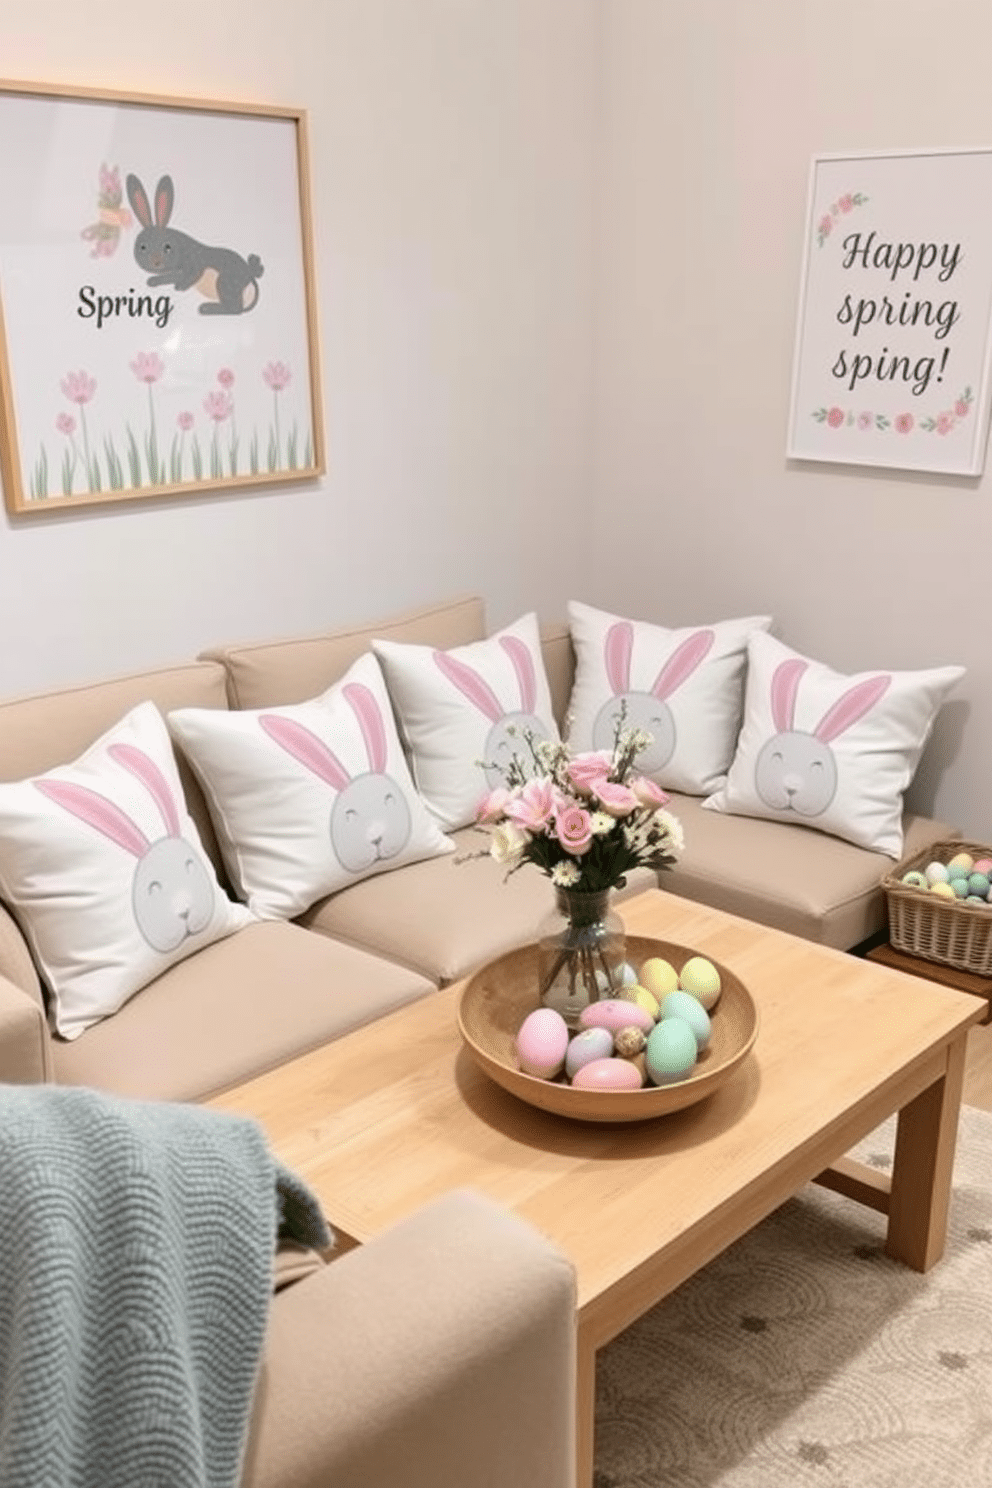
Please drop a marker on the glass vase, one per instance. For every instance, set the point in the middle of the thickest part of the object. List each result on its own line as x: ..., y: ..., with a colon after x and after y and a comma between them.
x: 581, y: 949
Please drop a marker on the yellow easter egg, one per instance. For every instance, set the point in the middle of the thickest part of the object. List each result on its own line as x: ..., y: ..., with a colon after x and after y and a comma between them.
x: 962, y: 860
x: 944, y: 890
x: 701, y: 978
x: 659, y: 976
x: 643, y: 998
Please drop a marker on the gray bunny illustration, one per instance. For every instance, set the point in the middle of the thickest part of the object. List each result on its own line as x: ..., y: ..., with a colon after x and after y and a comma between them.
x: 228, y: 282
x: 506, y: 737
x: 370, y: 819
x: 645, y: 710
x: 795, y: 770
x: 172, y: 895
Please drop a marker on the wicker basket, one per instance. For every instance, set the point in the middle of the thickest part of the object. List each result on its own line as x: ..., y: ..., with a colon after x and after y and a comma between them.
x: 938, y: 929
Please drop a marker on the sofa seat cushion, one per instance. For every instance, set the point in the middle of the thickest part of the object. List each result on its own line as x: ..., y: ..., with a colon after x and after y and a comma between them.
x: 234, y: 1010
x: 444, y: 918
x: 791, y: 877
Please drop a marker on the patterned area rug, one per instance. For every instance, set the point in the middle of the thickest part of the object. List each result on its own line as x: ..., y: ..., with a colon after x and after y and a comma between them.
x: 804, y: 1358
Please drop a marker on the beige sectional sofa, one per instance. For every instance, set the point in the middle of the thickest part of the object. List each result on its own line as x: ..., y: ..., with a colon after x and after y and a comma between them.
x: 381, y: 1392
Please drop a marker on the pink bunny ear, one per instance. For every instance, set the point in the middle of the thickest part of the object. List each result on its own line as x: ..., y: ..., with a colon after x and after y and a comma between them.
x: 785, y: 686
x: 304, y: 746
x: 470, y: 684
x: 139, y: 764
x: 616, y: 654
x: 163, y: 201
x: 851, y: 706
x: 96, y: 811
x: 523, y: 665
x: 366, y: 710
x: 684, y: 660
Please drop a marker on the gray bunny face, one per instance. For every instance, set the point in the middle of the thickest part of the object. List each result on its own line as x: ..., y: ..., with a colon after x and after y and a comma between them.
x: 643, y: 711
x: 171, y: 894
x: 506, y: 739
x: 370, y: 822
x: 796, y: 771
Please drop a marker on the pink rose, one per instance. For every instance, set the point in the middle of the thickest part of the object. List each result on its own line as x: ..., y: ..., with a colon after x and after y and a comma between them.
x: 648, y: 792
x: 532, y: 806
x: 574, y: 830
x: 825, y: 226
x: 961, y: 407
x: 865, y: 420
x: 618, y: 800
x: 903, y: 423
x: 585, y: 769
x: 492, y: 807
x: 846, y: 202
x: 945, y: 423
x: 835, y: 417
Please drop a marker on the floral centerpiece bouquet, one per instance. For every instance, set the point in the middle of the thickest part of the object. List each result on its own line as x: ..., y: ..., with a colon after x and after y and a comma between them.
x: 585, y: 820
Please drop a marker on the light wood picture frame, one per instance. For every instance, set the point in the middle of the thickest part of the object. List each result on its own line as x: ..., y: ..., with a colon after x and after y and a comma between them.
x: 158, y: 325
x: 894, y: 332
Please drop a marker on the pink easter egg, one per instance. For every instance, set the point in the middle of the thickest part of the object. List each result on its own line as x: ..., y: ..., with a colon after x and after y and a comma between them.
x: 983, y: 865
x: 542, y: 1040
x: 608, y: 1074
x: 614, y: 1013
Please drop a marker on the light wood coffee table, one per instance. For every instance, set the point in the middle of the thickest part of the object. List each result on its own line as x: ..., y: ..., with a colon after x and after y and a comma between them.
x: 394, y: 1114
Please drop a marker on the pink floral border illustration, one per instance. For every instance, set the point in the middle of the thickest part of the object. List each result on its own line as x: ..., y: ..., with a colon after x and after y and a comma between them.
x: 836, y: 417
x: 845, y: 203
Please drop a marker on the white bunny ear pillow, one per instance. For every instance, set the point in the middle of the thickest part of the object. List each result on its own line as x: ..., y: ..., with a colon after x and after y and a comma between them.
x: 105, y: 871
x: 830, y: 751
x: 683, y: 687
x: 308, y: 799
x: 466, y: 706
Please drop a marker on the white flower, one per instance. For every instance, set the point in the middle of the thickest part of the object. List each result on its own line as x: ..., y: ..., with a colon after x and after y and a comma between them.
x: 566, y: 874
x: 508, y: 843
x: 600, y: 823
x: 672, y: 828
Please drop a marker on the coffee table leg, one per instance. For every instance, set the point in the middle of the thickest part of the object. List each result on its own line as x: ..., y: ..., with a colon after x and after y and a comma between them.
x: 922, y: 1167
x: 585, y: 1411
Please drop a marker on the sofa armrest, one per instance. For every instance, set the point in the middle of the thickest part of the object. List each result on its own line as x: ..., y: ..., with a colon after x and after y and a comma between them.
x: 443, y: 1352
x: 25, y: 1049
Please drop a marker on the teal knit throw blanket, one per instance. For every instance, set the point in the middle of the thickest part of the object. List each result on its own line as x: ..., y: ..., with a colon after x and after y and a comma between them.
x: 136, y: 1262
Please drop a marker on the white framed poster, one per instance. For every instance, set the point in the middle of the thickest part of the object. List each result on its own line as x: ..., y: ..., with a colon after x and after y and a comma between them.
x: 891, y: 363
x: 158, y: 326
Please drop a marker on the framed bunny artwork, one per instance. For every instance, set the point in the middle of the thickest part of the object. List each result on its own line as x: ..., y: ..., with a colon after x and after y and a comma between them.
x: 158, y: 326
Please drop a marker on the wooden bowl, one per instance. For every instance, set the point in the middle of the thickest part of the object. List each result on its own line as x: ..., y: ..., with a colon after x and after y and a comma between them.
x: 499, y: 996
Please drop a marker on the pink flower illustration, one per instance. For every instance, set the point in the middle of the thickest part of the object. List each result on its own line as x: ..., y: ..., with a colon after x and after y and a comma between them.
x: 66, y: 424
x: 865, y: 420
x: 945, y: 423
x: 217, y: 406
x: 961, y: 408
x: 846, y: 203
x: 185, y: 422
x: 903, y: 423
x: 147, y: 366
x: 826, y: 226
x: 835, y: 417
x: 276, y: 376
x: 78, y: 387
x: 225, y: 377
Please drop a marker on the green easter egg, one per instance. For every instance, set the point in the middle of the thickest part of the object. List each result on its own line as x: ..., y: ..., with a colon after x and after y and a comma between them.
x: 671, y: 1051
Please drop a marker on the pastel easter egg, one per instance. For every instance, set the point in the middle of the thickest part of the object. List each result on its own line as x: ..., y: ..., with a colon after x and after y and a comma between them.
x: 978, y: 883
x: 935, y: 873
x: 960, y: 887
x: 943, y: 889
x: 608, y: 1074
x: 591, y: 1043
x: 957, y: 870
x: 671, y: 1051
x: 614, y: 1013
x: 915, y: 879
x: 643, y: 998
x: 658, y: 976
x: 962, y: 860
x: 680, y: 1004
x: 542, y: 1040
x: 983, y: 865
x: 623, y: 976
x: 700, y: 977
